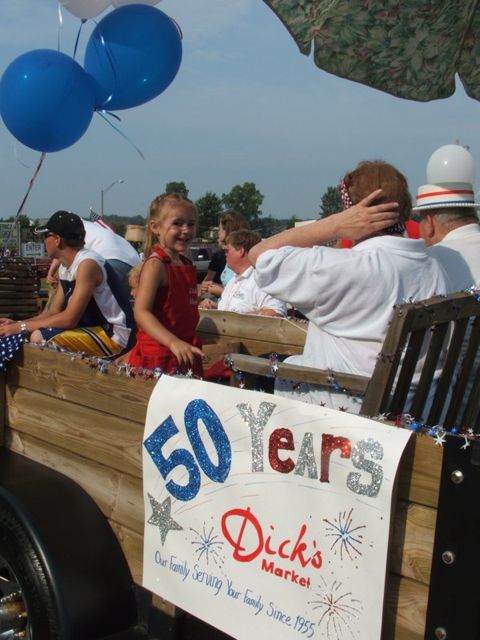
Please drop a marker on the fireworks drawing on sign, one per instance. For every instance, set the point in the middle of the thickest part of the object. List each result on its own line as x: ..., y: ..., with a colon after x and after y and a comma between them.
x: 339, y: 611
x: 347, y: 538
x: 207, y: 545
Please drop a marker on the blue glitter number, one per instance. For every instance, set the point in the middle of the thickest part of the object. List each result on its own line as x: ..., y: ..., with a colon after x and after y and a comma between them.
x: 199, y: 410
x: 179, y: 457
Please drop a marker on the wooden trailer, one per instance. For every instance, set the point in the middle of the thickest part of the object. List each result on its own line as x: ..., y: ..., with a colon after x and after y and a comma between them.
x: 62, y: 412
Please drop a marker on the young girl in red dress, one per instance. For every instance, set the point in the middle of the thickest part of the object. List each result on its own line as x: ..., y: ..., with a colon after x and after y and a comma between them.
x: 166, y: 303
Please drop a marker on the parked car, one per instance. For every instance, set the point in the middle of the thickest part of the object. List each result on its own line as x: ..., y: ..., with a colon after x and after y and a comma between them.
x: 201, y: 256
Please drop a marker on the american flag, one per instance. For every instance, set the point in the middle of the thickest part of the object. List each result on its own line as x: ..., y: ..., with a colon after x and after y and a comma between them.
x: 96, y: 217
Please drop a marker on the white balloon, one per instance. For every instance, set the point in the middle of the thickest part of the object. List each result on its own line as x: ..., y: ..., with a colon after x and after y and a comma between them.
x: 122, y: 3
x: 451, y: 163
x: 85, y: 8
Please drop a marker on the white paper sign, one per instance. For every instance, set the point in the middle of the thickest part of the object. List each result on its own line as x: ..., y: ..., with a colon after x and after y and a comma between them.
x: 266, y: 517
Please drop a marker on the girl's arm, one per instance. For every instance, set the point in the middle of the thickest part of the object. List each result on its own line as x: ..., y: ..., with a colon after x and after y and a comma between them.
x: 359, y: 221
x: 153, y: 277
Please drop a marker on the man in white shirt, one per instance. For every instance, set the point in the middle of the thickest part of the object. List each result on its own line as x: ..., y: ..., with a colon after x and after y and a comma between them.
x: 348, y: 296
x: 114, y: 249
x: 449, y: 226
x: 450, y: 229
x: 241, y: 293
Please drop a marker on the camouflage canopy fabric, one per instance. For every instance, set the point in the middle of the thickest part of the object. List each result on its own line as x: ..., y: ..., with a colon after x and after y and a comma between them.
x: 409, y: 48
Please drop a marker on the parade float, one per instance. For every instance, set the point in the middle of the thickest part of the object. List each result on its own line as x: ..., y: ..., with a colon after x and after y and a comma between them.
x: 135, y: 505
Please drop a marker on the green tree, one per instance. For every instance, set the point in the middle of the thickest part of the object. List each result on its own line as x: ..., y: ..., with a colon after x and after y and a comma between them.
x: 23, y: 221
x: 176, y: 187
x: 291, y: 222
x: 331, y: 202
x: 268, y: 226
x: 209, y: 207
x: 246, y: 199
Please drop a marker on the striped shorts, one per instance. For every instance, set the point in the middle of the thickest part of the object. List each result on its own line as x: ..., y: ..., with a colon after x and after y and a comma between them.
x: 91, y: 340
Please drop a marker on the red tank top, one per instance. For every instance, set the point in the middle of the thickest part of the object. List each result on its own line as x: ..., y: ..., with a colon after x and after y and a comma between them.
x: 176, y: 307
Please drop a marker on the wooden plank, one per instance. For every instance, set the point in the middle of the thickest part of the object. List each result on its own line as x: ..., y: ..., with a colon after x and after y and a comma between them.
x: 405, y: 610
x: 439, y: 310
x: 119, y: 495
x: 252, y: 327
x: 420, y: 470
x: 261, y: 347
x: 11, y: 286
x: 18, y: 292
x: 101, y: 437
x: 21, y: 305
x: 67, y: 377
x: 413, y: 534
x: 215, y: 352
x: 261, y: 366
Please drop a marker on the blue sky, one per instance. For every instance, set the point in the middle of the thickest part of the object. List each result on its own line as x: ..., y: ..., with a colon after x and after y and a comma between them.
x: 245, y: 106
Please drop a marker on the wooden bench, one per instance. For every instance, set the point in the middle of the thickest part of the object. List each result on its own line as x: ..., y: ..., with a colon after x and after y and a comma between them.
x: 222, y: 332
x: 18, y: 289
x: 447, y: 327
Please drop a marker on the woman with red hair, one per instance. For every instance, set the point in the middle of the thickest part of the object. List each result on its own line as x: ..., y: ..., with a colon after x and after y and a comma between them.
x: 348, y: 296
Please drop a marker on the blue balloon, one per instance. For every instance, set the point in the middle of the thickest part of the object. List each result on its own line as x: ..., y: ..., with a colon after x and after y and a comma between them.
x: 133, y: 54
x: 46, y: 100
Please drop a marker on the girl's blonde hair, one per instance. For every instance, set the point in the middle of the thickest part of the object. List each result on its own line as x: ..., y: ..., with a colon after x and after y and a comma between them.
x: 134, y: 274
x: 158, y: 209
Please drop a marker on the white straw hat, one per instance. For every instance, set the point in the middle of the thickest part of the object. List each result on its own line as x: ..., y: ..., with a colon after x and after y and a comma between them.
x: 445, y: 195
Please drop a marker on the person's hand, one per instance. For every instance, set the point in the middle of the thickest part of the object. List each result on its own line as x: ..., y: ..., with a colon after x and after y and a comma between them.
x: 211, y: 288
x: 207, y: 304
x: 204, y: 286
x: 185, y: 353
x: 52, y: 279
x: 215, y: 289
x: 4, y: 321
x: 123, y: 359
x: 365, y: 219
x: 265, y: 311
x: 9, y: 329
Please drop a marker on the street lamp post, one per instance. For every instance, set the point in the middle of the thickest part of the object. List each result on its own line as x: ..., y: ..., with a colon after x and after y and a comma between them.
x: 104, y: 191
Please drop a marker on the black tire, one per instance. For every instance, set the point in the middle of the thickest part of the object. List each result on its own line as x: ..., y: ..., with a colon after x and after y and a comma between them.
x: 61, y: 550
x: 23, y: 580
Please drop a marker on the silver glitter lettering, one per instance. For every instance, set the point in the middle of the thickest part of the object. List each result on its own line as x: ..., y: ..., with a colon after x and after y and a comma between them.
x: 256, y: 424
x: 360, y: 450
x: 306, y: 458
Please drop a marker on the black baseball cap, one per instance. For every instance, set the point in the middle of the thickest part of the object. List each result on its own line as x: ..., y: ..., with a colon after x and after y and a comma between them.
x: 65, y: 224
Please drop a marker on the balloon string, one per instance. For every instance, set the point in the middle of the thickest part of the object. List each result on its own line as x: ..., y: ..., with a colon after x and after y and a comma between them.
x: 20, y: 208
x: 60, y: 25
x: 102, y: 115
x: 110, y: 61
x: 17, y: 158
x: 78, y: 37
x: 110, y: 113
x: 180, y: 32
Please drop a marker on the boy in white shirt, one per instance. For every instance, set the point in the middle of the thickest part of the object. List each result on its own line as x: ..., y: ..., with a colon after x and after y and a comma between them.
x: 242, y: 294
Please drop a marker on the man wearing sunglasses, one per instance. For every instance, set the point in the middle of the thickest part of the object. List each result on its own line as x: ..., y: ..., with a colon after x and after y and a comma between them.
x: 89, y: 312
